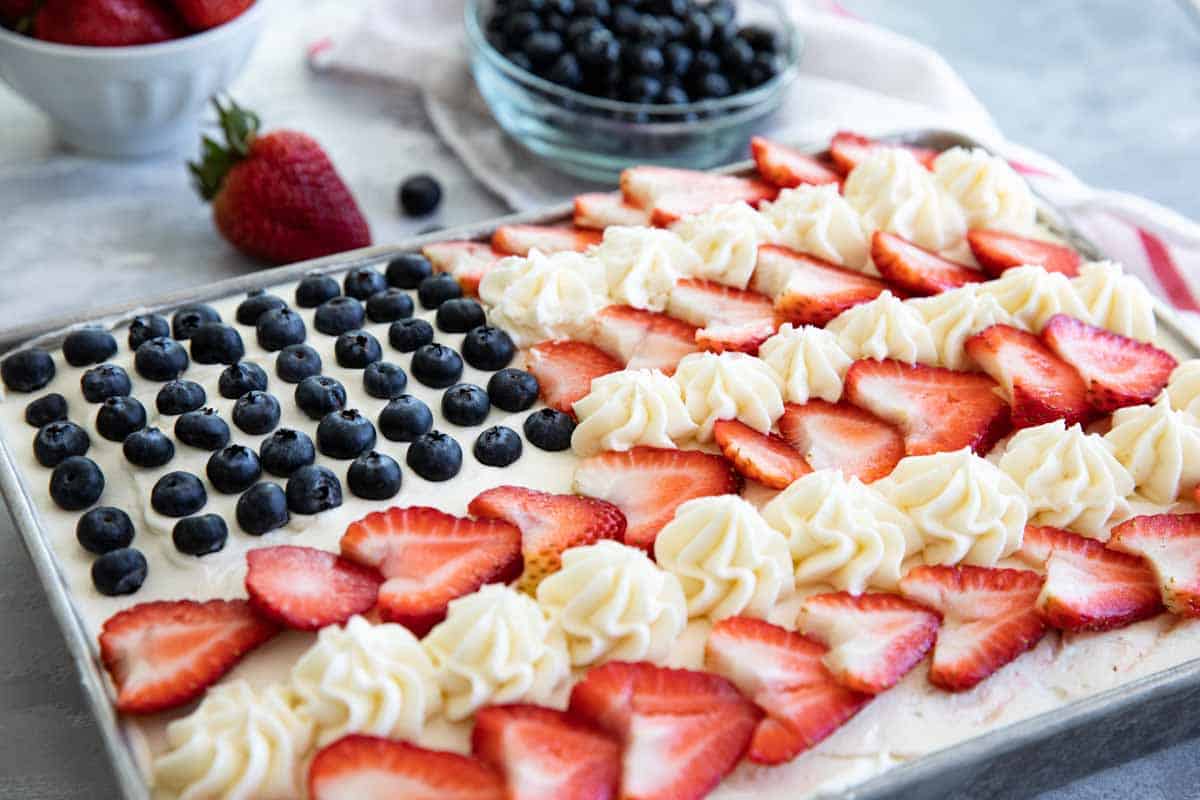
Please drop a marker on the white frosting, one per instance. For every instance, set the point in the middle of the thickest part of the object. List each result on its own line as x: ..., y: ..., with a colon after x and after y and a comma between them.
x: 496, y: 646
x: 989, y: 191
x: 364, y: 678
x: 1184, y: 387
x: 1160, y: 447
x: 612, y: 602
x: 1116, y: 301
x: 728, y: 560
x: 965, y: 509
x: 817, y: 220
x: 629, y: 408
x: 884, y: 328
x: 544, y: 297
x: 1032, y: 296
x: 728, y: 386
x: 809, y: 362
x: 641, y: 265
x: 1070, y: 478
x: 955, y: 316
x: 842, y: 532
x: 726, y: 239
x: 239, y: 744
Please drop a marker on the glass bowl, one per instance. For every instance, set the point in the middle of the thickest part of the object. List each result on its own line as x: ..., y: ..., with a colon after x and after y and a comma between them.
x: 595, y: 138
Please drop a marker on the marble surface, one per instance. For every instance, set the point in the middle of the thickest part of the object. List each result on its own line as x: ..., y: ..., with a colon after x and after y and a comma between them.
x: 1106, y: 86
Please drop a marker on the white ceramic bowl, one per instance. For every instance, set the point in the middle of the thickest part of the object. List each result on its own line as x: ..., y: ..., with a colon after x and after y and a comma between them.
x: 130, y: 101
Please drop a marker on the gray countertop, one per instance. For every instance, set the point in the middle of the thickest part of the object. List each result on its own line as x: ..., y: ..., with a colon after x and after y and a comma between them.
x: 1109, y: 87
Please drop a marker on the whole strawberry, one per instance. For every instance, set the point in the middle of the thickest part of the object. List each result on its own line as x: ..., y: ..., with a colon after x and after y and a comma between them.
x: 105, y: 23
x: 276, y: 196
x: 200, y: 15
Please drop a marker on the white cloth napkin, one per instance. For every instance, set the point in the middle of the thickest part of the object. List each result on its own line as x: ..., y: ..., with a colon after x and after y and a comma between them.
x: 891, y: 83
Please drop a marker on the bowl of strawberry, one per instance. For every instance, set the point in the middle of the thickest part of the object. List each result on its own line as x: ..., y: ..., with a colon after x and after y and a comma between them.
x: 125, y: 78
x: 595, y: 86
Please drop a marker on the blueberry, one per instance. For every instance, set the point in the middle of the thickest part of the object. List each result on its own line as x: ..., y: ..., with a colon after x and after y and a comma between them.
x: 46, y: 409
x: 345, y: 434
x: 459, y: 315
x: 313, y: 489
x: 408, y: 270
x: 704, y: 62
x: 721, y: 12
x: 678, y: 58
x: 676, y: 8
x: 649, y: 31
x: 563, y: 8
x: 420, y: 195
x: 513, y: 390
x: 338, y: 315
x: 160, y: 359
x: 581, y: 27
x: 437, y: 366
x: 88, y: 346
x: 465, y: 404
x: 189, y: 318
x: 407, y: 335
x: 202, y: 429
x: 549, y: 429
x: 673, y: 94
x: 405, y: 418
x: 737, y: 55
x: 148, y: 447
x: 76, y: 483
x: 357, y: 349
x: 762, y: 39
x: 105, y: 381
x: 279, y: 327
x: 566, y: 71
x: 118, y: 417
x: 435, y: 456
x: 145, y: 328
x: 262, y: 508
x: 199, y: 536
x: 217, y: 343
x: 384, y: 380
x: 256, y: 413
x: 27, y: 371
x: 257, y: 303
x: 374, y: 476
x: 521, y: 25
x: 119, y: 572
x: 543, y: 47
x: 625, y: 20
x: 296, y: 362
x: 765, y: 67
x: 313, y: 290
x: 437, y: 289
x: 713, y: 85
x: 285, y: 451
x: 487, y: 348
x: 318, y: 395
x: 363, y: 282
x: 389, y: 306
x: 498, y: 446
x: 58, y: 441
x: 104, y: 529
x: 178, y: 494
x: 601, y: 9
x: 180, y: 396
x: 239, y: 378
x: 643, y: 89
x: 598, y: 50
x: 673, y: 29
x: 233, y: 469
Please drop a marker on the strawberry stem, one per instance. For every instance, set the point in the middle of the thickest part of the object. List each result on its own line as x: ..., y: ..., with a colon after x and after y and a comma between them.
x: 240, y: 126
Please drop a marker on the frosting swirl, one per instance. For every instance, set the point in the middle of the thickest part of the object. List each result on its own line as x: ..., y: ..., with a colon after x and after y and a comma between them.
x: 1184, y: 387
x: 728, y: 386
x: 817, y: 220
x: 628, y: 408
x: 884, y: 328
x: 544, y: 297
x: 726, y: 239
x: 1031, y: 295
x: 955, y: 316
x: 641, y: 265
x: 1159, y: 446
x: 1116, y: 301
x: 989, y: 191
x: 809, y: 362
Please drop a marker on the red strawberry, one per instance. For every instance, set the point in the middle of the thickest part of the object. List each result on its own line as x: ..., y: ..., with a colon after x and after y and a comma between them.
x: 807, y: 290
x: 914, y: 269
x: 549, y: 524
x: 165, y: 654
x: 648, y: 484
x: 1088, y: 586
x: 599, y: 210
x: 200, y: 15
x: 565, y: 370
x: 429, y: 558
x: 1040, y: 386
x: 105, y: 23
x: 989, y: 617
x: 518, y: 240
x: 842, y: 436
x: 306, y: 589
x: 786, y: 167
x: 783, y: 673
x: 762, y: 457
x: 1119, y: 371
x: 681, y: 731
x: 368, y: 768
x: 546, y: 754
x: 997, y: 251
x: 874, y: 640
x: 276, y: 196
x: 936, y: 409
x: 849, y: 149
x: 644, y: 339
x: 1171, y: 544
x: 728, y: 318
x: 670, y: 194
x: 468, y: 262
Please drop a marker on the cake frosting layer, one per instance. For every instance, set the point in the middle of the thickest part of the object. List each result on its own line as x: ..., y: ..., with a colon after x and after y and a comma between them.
x: 954, y: 316
x: 885, y: 328
x: 542, y: 297
x: 1160, y: 447
x: 1116, y: 301
x: 629, y: 408
x: 809, y: 361
x: 726, y: 241
x: 818, y: 220
x: 728, y: 386
x: 990, y: 192
x: 641, y: 265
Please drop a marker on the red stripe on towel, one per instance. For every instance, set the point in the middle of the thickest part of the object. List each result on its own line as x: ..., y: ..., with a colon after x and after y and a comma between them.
x: 1172, y: 281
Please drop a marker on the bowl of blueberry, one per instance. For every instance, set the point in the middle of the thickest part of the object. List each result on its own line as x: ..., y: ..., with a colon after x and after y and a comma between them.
x: 595, y: 86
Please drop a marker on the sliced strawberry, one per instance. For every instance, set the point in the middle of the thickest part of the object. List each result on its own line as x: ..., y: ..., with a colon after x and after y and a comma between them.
x: 644, y: 339
x: 914, y: 269
x: 546, y: 754
x: 165, y: 654
x: 429, y: 558
x: 468, y: 262
x: 807, y: 290
x: 648, y: 484
x: 849, y: 149
x: 844, y: 437
x: 306, y: 589
x: 369, y: 768
x: 549, y: 524
x: 670, y: 194
x: 787, y: 167
x: 762, y: 457
x: 784, y: 674
x: 989, y: 617
x: 997, y: 251
x: 1171, y: 543
x: 565, y: 370
x: 518, y: 240
x: 874, y: 640
x: 935, y: 409
x: 599, y: 210
x: 681, y: 731
x: 1040, y: 386
x: 1118, y: 371
x: 728, y: 318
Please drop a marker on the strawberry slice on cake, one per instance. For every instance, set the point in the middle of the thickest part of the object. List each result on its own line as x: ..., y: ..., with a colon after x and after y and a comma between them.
x: 306, y: 589
x: 359, y: 767
x: 807, y: 290
x: 670, y: 194
x: 518, y: 240
x: 841, y: 436
x: 1171, y: 545
x: 848, y: 150
x: 565, y: 370
x: 599, y: 210
x: 467, y: 262
x: 762, y: 457
x: 915, y: 270
x: 644, y: 339
x: 997, y: 251
x: 727, y: 318
x: 787, y: 167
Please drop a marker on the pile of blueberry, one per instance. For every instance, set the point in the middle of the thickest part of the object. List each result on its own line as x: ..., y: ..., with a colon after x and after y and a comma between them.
x: 637, y: 51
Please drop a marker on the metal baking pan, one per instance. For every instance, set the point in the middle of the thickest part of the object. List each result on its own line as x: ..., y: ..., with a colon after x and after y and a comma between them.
x: 1015, y: 761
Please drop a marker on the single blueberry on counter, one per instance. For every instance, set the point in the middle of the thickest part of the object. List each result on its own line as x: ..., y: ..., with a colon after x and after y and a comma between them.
x: 257, y: 303
x: 104, y: 529
x: 200, y: 535
x: 513, y: 390
x: 58, y: 441
x: 256, y: 413
x: 420, y: 195
x: 407, y: 335
x: 105, y: 381
x: 46, y: 409
x: 405, y: 418
x: 408, y: 270
x: 242, y: 377
x: 459, y: 315
x: 202, y: 429
x: 146, y: 327
x: 356, y: 349
x: 549, y: 429
x: 178, y: 494
x: 88, y: 346
x: 148, y: 447
x: 316, y: 289
x: 118, y: 417
x: 374, y: 476
x: 27, y: 371
x: 435, y: 456
x: 437, y: 289
x: 317, y: 395
x: 437, y: 366
x: 487, y: 348
x: 262, y: 508
x: 384, y: 380
x: 285, y: 451
x: 345, y: 434
x: 363, y: 282
x: 313, y: 489
x: 338, y: 315
x: 279, y: 327
x: 465, y: 404
x: 119, y: 572
x: 160, y: 359
x: 187, y: 319
x: 217, y: 343
x: 296, y: 362
x: 233, y: 469
x: 76, y: 483
x: 389, y: 306
x: 498, y: 446
x: 180, y: 396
